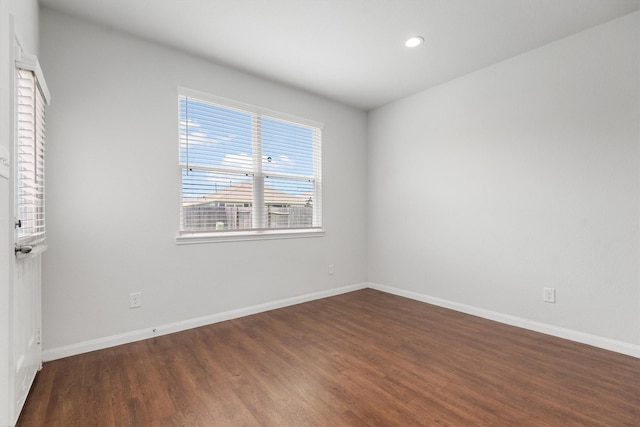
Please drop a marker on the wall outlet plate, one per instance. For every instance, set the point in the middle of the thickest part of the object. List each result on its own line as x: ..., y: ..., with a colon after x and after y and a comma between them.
x: 135, y: 299
x: 549, y: 295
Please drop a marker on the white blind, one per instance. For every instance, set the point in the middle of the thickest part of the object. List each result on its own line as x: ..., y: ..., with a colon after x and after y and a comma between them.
x: 30, y: 159
x: 247, y: 169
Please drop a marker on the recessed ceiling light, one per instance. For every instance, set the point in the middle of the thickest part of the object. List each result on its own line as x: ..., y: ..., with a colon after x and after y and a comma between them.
x: 414, y: 41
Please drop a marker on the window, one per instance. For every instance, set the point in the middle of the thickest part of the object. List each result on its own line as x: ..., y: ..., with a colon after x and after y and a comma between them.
x: 32, y: 96
x: 246, y: 169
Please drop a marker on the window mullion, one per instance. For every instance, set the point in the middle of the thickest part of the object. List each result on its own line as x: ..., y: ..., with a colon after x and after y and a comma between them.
x: 317, y: 173
x: 258, y: 221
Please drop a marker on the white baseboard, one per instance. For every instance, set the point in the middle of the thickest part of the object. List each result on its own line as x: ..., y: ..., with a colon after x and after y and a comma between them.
x: 128, y: 337
x: 141, y: 334
x: 577, y: 336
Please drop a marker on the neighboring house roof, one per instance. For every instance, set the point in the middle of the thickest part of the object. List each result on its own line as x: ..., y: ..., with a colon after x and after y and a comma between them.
x: 242, y: 193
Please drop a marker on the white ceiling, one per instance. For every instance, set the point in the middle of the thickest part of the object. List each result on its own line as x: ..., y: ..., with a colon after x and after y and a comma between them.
x: 351, y: 50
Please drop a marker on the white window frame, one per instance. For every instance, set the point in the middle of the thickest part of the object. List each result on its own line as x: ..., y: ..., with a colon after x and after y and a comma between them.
x: 259, y: 232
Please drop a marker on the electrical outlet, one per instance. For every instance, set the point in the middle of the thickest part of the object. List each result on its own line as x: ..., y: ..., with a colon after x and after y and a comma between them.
x: 549, y: 295
x: 135, y: 299
x: 331, y: 270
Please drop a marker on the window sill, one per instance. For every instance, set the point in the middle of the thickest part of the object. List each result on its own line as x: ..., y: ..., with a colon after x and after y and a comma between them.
x: 238, y: 236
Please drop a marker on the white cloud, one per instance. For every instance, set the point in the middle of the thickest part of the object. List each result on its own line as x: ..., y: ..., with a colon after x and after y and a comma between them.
x: 237, y: 161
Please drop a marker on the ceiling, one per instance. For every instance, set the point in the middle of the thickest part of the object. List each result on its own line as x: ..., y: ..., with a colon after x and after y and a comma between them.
x: 351, y: 51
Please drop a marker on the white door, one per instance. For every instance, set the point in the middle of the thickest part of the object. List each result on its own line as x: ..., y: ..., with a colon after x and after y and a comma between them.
x: 29, y: 236
x: 26, y: 324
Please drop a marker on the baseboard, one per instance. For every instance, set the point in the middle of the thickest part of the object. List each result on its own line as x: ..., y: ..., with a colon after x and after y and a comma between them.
x: 577, y: 336
x: 141, y: 334
x: 128, y: 337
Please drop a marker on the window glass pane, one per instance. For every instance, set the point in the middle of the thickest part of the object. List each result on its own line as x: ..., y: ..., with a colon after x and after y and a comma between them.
x: 216, y: 201
x: 288, y: 202
x: 214, y: 136
x: 286, y: 147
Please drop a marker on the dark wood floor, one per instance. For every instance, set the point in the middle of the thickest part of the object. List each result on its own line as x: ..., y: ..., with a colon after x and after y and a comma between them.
x: 361, y: 359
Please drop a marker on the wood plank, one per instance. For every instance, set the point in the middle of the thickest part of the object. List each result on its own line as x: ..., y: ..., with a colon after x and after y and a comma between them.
x: 360, y: 359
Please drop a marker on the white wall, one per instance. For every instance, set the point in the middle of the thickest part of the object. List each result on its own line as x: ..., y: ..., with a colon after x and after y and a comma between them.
x: 520, y: 176
x: 112, y: 192
x: 25, y: 18
x: 523, y: 175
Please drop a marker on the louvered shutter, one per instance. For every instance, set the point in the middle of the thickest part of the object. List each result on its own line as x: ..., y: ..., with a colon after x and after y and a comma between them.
x: 30, y: 156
